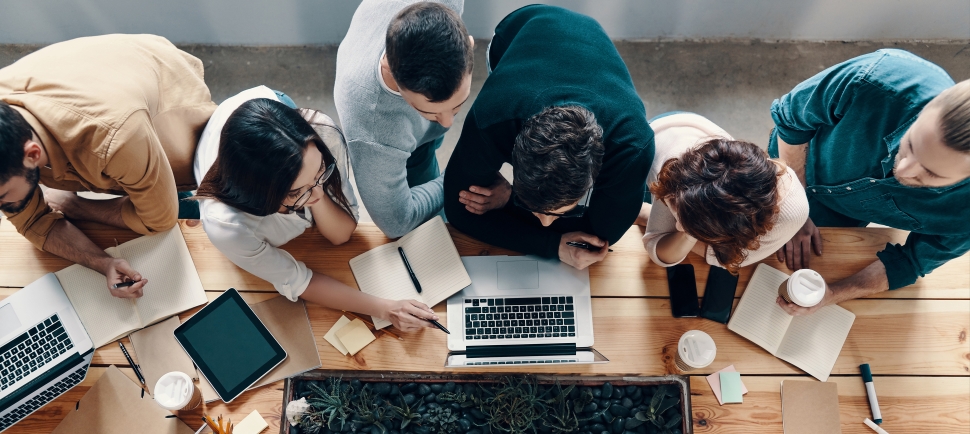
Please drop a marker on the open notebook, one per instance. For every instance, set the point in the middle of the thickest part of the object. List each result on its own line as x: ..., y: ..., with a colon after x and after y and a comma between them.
x: 812, y: 342
x: 173, y: 286
x: 380, y: 271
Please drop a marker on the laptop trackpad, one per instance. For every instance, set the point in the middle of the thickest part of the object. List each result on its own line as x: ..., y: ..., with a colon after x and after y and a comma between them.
x: 8, y: 320
x: 518, y: 274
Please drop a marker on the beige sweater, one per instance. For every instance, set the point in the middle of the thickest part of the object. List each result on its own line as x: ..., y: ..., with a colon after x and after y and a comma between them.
x: 675, y: 134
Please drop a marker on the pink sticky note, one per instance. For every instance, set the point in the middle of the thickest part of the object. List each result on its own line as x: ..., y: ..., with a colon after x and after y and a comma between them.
x: 715, y: 381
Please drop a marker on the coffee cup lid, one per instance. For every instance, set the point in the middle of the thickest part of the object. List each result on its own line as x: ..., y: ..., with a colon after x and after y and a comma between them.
x: 173, y: 391
x: 806, y: 286
x: 697, y: 348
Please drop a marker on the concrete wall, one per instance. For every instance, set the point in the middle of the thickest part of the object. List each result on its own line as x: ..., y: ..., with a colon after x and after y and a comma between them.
x: 298, y: 22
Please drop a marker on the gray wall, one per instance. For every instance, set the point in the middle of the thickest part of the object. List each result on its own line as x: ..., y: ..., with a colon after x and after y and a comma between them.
x: 298, y: 22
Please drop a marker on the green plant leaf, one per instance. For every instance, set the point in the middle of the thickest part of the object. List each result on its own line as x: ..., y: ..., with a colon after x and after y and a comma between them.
x: 642, y: 416
x: 666, y: 404
x: 673, y: 421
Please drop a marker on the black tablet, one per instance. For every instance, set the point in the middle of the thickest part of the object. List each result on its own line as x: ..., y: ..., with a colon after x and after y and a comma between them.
x: 230, y: 345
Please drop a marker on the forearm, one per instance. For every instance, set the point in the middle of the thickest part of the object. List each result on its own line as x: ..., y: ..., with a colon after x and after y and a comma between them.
x: 335, y: 224
x: 870, y: 280
x: 329, y: 292
x: 106, y: 211
x: 68, y: 242
x: 673, y: 247
x: 794, y: 156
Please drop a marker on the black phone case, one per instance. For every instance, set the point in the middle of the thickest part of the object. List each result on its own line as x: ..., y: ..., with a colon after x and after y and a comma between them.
x: 718, y: 295
x: 683, y: 296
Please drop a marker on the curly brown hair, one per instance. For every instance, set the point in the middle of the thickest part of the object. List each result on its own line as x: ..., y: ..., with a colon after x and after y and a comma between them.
x: 725, y: 193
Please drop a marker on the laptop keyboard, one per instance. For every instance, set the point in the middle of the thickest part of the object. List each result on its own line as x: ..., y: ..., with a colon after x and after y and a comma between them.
x: 519, y: 318
x: 521, y: 362
x: 32, y: 350
x: 48, y: 395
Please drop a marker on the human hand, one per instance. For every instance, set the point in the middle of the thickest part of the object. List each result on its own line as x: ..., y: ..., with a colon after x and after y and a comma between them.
x: 479, y: 200
x: 409, y: 315
x: 581, y: 258
x: 60, y: 200
x: 119, y: 271
x: 795, y: 253
x: 796, y: 310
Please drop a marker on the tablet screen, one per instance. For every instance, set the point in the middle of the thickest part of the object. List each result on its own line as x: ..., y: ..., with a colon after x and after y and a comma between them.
x: 229, y: 344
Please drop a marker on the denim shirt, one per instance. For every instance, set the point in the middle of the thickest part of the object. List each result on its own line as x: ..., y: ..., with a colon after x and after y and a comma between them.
x: 853, y: 116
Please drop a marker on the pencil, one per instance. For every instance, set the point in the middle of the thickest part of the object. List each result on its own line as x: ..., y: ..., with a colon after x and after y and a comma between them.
x: 370, y: 324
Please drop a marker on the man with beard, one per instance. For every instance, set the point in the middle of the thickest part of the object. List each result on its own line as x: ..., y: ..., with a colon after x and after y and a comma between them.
x: 114, y: 114
x: 882, y: 138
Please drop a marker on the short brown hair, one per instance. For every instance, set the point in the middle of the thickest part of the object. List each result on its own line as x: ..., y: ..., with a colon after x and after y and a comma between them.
x: 725, y: 193
x: 954, y: 106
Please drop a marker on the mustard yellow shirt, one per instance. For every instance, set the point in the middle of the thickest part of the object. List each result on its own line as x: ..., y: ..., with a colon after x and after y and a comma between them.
x: 116, y: 114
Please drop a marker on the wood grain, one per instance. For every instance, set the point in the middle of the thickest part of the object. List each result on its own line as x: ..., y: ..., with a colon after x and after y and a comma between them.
x: 627, y: 272
x: 908, y: 404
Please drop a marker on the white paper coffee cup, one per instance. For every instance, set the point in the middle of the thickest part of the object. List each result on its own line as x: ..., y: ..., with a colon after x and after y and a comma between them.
x: 175, y: 391
x: 805, y: 288
x: 695, y: 350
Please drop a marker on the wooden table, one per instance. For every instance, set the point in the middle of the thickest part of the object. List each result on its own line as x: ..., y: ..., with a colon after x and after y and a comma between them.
x: 915, y: 338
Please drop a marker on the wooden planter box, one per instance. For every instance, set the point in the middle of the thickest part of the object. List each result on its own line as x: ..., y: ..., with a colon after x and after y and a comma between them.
x: 678, y: 381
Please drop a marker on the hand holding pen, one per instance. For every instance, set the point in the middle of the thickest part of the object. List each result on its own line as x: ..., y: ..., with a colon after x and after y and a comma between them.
x: 417, y: 287
x: 123, y: 281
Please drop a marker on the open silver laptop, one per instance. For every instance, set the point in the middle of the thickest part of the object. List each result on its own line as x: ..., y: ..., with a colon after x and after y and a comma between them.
x: 44, y: 350
x: 521, y: 310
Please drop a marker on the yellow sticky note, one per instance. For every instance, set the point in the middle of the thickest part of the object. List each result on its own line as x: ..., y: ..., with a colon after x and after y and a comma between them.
x: 331, y: 335
x: 252, y: 424
x: 355, y: 336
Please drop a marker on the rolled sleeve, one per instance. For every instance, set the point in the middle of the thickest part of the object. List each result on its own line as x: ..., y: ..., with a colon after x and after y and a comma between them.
x: 136, y: 161
x: 36, y: 220
x: 288, y: 276
x: 919, y: 256
x: 660, y: 224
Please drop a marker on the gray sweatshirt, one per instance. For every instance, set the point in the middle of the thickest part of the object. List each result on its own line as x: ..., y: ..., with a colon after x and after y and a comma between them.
x: 382, y: 129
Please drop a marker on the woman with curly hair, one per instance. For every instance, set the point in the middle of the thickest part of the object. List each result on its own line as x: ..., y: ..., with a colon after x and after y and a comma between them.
x: 720, y: 198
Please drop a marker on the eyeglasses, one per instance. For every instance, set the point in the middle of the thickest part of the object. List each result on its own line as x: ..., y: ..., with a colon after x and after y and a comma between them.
x: 327, y: 171
x: 577, y: 211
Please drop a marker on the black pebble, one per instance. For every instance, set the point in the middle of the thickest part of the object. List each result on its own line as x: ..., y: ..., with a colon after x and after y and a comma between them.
x: 450, y: 386
x: 591, y: 407
x: 474, y: 431
x: 432, y: 398
x: 477, y: 414
x: 617, y: 427
x: 395, y: 390
x: 455, y: 407
x: 423, y: 389
x: 637, y: 394
x: 465, y: 424
x: 421, y: 430
x: 598, y: 427
x: 627, y: 402
x: 408, y: 388
x: 295, y: 429
x: 433, y: 405
x: 356, y: 384
x: 619, y: 411
x: 409, y: 399
x: 437, y: 387
x: 618, y: 393
x: 597, y: 393
x: 631, y: 389
x: 606, y: 391
x: 382, y: 389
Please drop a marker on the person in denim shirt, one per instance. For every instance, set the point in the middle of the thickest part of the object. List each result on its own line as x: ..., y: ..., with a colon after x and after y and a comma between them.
x: 881, y: 138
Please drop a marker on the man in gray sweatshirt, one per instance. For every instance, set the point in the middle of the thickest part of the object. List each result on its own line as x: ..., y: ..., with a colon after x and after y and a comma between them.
x: 403, y: 71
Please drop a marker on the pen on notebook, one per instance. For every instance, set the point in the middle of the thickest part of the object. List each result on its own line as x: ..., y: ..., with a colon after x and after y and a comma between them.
x: 874, y: 427
x: 132, y: 363
x: 125, y: 284
x: 582, y: 245
x: 414, y: 279
x: 871, y: 392
x: 438, y: 325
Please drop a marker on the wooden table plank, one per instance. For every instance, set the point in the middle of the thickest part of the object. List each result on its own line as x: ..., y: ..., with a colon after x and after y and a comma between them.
x: 908, y: 404
x: 628, y: 272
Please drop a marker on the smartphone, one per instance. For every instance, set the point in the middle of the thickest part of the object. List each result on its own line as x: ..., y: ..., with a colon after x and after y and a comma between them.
x: 683, y: 291
x: 719, y: 295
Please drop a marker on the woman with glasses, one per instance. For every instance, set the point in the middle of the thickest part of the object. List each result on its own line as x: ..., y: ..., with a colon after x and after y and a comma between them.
x: 720, y: 198
x: 268, y: 172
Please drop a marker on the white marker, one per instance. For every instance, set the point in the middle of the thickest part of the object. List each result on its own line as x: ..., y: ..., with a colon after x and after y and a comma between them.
x: 874, y: 427
x: 871, y: 392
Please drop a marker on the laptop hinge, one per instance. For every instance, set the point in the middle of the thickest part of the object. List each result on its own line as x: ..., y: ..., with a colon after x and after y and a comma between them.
x: 479, y: 351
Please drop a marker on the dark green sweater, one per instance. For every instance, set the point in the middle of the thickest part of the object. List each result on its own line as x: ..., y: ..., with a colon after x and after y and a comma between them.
x: 545, y: 56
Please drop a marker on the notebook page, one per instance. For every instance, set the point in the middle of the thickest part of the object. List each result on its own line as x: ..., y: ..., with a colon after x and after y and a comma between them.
x: 813, y: 342
x: 173, y: 282
x: 435, y: 261
x: 758, y: 318
x: 105, y: 318
x: 380, y: 272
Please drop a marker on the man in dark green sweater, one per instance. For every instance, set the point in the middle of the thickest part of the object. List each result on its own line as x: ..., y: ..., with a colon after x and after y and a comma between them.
x: 560, y: 107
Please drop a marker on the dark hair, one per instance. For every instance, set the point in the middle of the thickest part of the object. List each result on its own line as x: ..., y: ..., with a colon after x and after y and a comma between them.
x: 725, y: 193
x: 260, y: 155
x: 14, y: 133
x: 556, y: 157
x: 954, y: 105
x: 428, y: 50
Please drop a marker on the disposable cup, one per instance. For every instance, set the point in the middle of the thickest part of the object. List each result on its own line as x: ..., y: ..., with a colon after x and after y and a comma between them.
x: 804, y: 288
x: 695, y: 350
x: 175, y: 391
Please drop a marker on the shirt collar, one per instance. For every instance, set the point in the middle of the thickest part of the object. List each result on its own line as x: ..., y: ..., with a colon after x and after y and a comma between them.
x: 56, y: 158
x: 892, y: 145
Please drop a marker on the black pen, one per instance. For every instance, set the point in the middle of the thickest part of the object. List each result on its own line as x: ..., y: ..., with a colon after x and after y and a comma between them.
x: 414, y: 279
x: 125, y: 285
x: 438, y: 325
x: 586, y: 246
x: 132, y: 363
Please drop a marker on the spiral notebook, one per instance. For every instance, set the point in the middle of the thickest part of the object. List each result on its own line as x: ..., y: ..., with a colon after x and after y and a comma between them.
x: 430, y: 250
x: 173, y: 286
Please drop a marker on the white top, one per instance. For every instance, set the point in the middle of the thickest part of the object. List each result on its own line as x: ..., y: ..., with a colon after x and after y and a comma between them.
x: 675, y: 135
x: 251, y: 242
